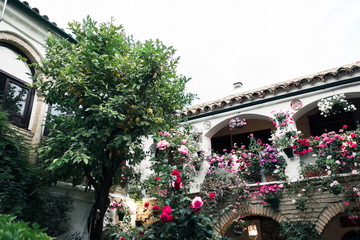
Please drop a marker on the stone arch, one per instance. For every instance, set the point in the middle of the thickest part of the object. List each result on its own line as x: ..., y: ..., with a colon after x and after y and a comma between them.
x: 330, y: 212
x: 255, y: 210
x: 38, y: 107
x: 23, y: 45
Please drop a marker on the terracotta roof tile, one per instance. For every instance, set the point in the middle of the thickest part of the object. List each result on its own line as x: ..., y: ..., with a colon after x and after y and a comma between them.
x: 271, y: 89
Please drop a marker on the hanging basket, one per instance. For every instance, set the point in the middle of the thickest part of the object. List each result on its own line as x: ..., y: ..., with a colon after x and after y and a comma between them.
x: 289, y: 152
x: 274, y: 203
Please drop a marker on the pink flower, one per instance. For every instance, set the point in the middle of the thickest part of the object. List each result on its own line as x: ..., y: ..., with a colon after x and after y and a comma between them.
x: 157, y: 178
x: 184, y: 141
x: 166, y: 134
x: 197, y: 203
x: 345, y: 126
x: 346, y: 203
x: 183, y: 149
x: 352, y: 135
x: 122, y: 238
x: 162, y: 145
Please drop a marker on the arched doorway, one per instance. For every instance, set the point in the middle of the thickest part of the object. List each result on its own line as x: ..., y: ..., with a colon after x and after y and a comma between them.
x: 352, y: 235
x: 267, y: 228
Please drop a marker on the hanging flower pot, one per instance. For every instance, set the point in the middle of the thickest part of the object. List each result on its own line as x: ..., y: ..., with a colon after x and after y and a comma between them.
x: 274, y: 203
x: 237, y: 123
x: 289, y: 152
x: 121, y: 216
x: 138, y: 223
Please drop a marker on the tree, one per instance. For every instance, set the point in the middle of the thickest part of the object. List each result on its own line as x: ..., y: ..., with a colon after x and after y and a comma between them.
x: 113, y: 91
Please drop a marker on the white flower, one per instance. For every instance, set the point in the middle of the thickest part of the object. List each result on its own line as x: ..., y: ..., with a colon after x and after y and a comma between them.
x: 354, y: 171
x: 293, y: 201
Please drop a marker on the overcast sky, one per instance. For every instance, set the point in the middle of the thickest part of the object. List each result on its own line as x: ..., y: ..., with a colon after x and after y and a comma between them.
x: 256, y: 42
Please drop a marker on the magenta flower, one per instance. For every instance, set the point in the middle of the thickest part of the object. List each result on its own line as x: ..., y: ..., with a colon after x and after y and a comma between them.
x: 197, y: 203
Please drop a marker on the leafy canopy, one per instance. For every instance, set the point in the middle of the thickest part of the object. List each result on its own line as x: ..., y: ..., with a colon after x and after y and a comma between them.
x: 112, y: 90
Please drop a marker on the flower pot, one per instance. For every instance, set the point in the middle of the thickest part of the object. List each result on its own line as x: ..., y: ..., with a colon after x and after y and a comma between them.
x: 270, y: 178
x: 289, y: 152
x: 309, y: 173
x: 121, y: 216
x: 138, y: 223
x: 274, y: 203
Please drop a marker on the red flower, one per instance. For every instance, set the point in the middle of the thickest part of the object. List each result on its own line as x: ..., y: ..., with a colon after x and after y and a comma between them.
x: 167, y: 210
x: 157, y: 178
x: 211, y: 195
x: 146, y: 205
x: 177, y: 184
x: 164, y: 217
x: 175, y: 173
x: 122, y: 238
x: 166, y: 214
x: 156, y: 209
x: 141, y: 233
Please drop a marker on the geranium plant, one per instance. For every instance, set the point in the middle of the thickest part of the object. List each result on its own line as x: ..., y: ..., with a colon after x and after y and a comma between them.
x: 272, y: 162
x: 249, y: 160
x: 270, y: 194
x: 335, y: 105
x: 236, y: 123
x: 285, y: 134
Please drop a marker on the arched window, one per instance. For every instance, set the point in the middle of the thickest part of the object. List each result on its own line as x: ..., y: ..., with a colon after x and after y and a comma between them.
x: 16, y: 96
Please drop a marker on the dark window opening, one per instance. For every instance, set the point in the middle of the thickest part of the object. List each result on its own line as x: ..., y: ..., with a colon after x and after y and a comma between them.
x: 16, y: 97
x: 320, y: 124
x: 218, y: 144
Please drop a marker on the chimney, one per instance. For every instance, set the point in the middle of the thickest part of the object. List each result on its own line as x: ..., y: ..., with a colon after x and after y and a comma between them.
x: 237, y: 85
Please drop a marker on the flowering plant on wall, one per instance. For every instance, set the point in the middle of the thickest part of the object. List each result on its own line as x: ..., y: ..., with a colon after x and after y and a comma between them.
x: 335, y: 105
x: 285, y: 134
x: 272, y: 162
x: 249, y: 160
x: 270, y: 194
x: 236, y: 123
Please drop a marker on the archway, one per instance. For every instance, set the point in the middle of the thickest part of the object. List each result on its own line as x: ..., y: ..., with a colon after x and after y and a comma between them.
x: 267, y: 229
x: 311, y: 123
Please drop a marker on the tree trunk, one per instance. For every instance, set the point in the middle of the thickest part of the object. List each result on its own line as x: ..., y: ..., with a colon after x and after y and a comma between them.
x: 101, y: 204
x: 102, y: 200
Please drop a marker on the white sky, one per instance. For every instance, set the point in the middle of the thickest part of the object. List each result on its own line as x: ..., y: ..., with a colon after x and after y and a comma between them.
x: 256, y: 42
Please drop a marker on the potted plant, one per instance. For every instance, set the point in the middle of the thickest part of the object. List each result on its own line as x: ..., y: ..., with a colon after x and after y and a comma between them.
x: 237, y: 123
x: 335, y: 105
x: 285, y: 134
x: 272, y: 163
x: 120, y: 208
x: 249, y: 160
x: 270, y: 194
x: 238, y: 226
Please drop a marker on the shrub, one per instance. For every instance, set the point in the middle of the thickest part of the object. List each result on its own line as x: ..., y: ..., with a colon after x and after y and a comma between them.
x: 10, y: 229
